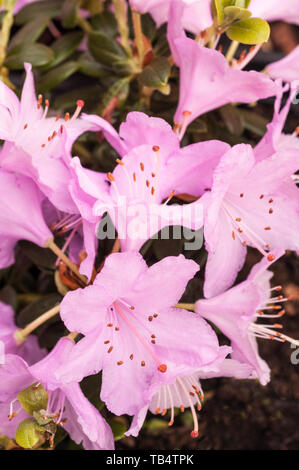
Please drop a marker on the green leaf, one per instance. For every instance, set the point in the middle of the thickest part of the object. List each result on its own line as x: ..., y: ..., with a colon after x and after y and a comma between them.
x: 107, y: 51
x: 36, y: 54
x: 49, y: 9
x: 33, y: 398
x: 93, y: 6
x: 35, y: 309
x: 119, y: 90
x: 232, y: 14
x: 90, y: 67
x: 64, y: 47
x: 233, y: 119
x: 57, y: 75
x: 118, y: 428
x: 218, y: 7
x: 242, y: 3
x: 251, y: 31
x: 70, y: 9
x: 28, y: 433
x: 42, y: 257
x: 105, y: 23
x: 30, y: 32
x: 156, y: 74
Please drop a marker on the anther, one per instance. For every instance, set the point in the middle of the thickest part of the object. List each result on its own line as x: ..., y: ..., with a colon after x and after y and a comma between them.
x: 270, y: 210
x: 110, y: 349
x: 271, y: 257
x: 156, y: 148
x: 162, y: 368
x: 142, y: 363
x: 141, y: 166
x: 110, y: 177
x: 120, y: 363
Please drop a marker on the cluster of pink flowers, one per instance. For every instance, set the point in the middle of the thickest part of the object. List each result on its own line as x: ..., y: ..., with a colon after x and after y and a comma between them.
x: 153, y: 352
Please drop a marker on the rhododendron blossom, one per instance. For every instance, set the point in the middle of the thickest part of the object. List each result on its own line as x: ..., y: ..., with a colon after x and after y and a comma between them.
x: 127, y: 231
x: 237, y: 313
x: 128, y: 329
x: 66, y: 404
x: 248, y: 205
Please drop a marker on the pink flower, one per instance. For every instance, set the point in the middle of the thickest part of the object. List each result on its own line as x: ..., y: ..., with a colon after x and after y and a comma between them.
x: 287, y: 68
x: 236, y: 314
x: 29, y: 350
x: 152, y: 171
x: 132, y: 333
x: 196, y: 14
x: 274, y: 139
x: 275, y: 10
x: 186, y: 391
x: 67, y: 406
x: 21, y: 216
x: 248, y: 205
x: 34, y: 145
x: 208, y: 82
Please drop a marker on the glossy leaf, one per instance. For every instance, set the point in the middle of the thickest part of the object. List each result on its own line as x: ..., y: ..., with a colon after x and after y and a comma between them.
x: 30, y: 32
x: 156, y: 74
x: 36, y: 54
x: 251, y: 31
x: 57, y: 75
x: 49, y: 9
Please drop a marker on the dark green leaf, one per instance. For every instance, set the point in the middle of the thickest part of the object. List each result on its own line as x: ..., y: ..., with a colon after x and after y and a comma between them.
x: 36, y: 54
x: 30, y: 32
x: 118, y: 428
x: 57, y: 75
x: 50, y: 9
x: 105, y: 23
x: 64, y: 47
x: 156, y: 74
x: 37, y: 308
x: 69, y: 13
x: 90, y: 67
x: 42, y: 257
x: 119, y: 90
x: 107, y: 51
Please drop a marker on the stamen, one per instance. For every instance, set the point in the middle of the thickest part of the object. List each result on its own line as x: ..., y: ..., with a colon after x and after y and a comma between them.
x: 161, y: 367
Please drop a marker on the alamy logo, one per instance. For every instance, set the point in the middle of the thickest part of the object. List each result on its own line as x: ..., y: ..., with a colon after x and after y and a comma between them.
x: 295, y: 355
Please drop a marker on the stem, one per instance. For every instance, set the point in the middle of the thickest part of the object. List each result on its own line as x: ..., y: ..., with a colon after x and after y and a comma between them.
x: 21, y: 335
x: 120, y: 10
x: 6, y: 27
x: 232, y: 50
x: 58, y: 252
x: 72, y: 336
x: 186, y: 306
x: 84, y: 25
x: 136, y: 17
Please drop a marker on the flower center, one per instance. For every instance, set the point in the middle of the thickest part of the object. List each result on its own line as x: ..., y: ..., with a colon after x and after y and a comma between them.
x: 243, y: 232
x: 122, y: 310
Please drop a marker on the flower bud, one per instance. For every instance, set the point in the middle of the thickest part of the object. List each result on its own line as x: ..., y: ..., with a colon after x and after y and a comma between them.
x: 27, y: 434
x: 33, y: 398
